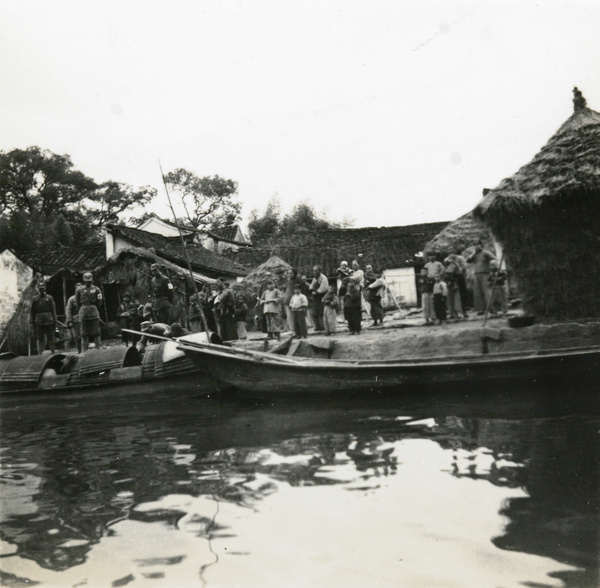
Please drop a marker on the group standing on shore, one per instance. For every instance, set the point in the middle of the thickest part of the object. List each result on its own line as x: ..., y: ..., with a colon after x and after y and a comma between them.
x: 443, y: 289
x: 295, y: 303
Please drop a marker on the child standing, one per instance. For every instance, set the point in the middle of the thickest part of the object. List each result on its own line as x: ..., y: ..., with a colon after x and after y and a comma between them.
x: 440, y: 294
x: 425, y: 285
x: 271, y: 302
x: 124, y: 315
x: 299, y: 306
x: 135, y: 323
x: 352, y: 308
x: 330, y: 308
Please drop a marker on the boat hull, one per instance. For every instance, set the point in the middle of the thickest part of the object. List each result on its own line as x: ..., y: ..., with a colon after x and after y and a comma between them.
x: 115, y: 367
x: 258, y: 373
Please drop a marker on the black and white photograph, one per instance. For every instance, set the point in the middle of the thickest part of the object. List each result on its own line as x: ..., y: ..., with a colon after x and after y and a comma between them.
x: 300, y: 293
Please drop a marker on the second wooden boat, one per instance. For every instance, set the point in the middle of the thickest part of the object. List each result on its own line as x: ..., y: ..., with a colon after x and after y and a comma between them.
x: 258, y: 372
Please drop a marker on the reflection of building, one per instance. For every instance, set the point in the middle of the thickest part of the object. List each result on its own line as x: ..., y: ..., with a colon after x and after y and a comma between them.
x: 560, y: 517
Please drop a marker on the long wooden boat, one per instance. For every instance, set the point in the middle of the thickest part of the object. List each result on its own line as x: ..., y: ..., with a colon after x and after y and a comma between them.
x: 96, y: 368
x: 259, y: 372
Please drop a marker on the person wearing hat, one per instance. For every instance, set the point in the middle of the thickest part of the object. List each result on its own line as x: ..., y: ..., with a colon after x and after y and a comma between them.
x: 162, y: 294
x: 149, y: 328
x: 42, y: 318
x: 125, y: 311
x: 73, y: 322
x: 89, y: 298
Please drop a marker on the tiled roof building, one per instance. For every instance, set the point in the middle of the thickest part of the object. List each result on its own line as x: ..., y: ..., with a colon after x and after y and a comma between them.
x: 382, y: 247
x: 170, y: 248
x: 76, y: 259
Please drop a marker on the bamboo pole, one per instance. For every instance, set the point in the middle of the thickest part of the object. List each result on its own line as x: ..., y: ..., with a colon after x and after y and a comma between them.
x: 187, y: 256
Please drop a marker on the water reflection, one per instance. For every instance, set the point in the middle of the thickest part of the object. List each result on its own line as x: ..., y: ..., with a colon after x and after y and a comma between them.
x: 68, y: 480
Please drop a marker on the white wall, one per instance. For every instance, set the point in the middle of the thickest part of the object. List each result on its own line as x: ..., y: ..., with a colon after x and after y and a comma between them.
x: 15, y: 276
x: 155, y: 225
x: 401, y: 282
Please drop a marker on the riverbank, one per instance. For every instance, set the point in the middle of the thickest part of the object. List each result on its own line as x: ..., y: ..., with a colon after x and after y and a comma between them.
x: 406, y: 337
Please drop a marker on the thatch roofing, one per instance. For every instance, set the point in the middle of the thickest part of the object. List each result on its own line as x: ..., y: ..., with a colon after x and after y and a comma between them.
x: 459, y: 235
x: 382, y: 247
x: 568, y: 164
x: 171, y: 249
x: 17, y: 335
x: 274, y: 265
x: 547, y: 219
x: 124, y: 256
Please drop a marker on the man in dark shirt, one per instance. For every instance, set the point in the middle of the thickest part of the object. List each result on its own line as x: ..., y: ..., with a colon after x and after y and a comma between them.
x: 162, y: 294
x: 42, y: 319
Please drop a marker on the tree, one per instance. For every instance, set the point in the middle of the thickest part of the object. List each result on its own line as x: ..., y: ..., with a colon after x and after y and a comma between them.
x: 303, y: 217
x: 111, y: 199
x: 42, y: 182
x: 261, y: 228
x: 209, y: 202
x: 45, y: 202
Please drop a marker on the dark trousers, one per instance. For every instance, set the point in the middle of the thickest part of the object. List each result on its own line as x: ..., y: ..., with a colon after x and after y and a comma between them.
x: 376, y: 309
x: 318, y: 309
x: 353, y: 315
x: 299, y: 317
x: 439, y: 306
x: 462, y: 288
x: 228, y: 330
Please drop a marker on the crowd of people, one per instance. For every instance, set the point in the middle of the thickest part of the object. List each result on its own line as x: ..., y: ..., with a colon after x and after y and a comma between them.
x: 292, y: 303
x: 302, y: 302
x: 443, y: 286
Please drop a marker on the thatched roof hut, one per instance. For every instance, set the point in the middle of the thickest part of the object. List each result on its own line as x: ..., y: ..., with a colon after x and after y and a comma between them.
x: 128, y: 270
x: 547, y: 218
x: 17, y: 337
x: 459, y: 235
x: 274, y: 265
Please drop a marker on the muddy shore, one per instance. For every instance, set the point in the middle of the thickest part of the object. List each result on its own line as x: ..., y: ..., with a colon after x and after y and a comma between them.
x: 406, y: 337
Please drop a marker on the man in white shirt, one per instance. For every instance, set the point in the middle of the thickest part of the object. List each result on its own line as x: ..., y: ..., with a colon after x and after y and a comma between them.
x: 318, y: 287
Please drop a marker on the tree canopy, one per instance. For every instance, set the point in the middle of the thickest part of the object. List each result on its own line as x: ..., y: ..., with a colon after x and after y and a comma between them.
x: 45, y: 202
x: 303, y: 217
x: 209, y: 202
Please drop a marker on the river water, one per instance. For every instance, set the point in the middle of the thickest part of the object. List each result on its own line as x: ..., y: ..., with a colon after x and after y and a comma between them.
x: 464, y: 489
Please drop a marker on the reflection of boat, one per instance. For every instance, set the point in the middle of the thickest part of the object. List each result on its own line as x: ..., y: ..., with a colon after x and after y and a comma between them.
x: 94, y: 368
x: 266, y: 372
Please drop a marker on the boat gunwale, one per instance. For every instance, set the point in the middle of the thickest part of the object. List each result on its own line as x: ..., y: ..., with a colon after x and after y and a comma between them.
x: 259, y: 357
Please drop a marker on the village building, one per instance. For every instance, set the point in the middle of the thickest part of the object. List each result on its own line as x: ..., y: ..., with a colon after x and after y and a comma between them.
x: 547, y: 219
x: 120, y: 264
x: 459, y: 236
x: 395, y: 250
x: 221, y: 240
x: 15, y: 277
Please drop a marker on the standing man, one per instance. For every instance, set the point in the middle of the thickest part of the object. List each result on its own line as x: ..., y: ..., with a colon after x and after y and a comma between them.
x: 89, y: 298
x: 461, y: 277
x: 434, y: 268
x: 42, y: 319
x: 73, y: 322
x: 319, y: 287
x: 162, y: 295
x: 227, y: 313
x: 481, y: 259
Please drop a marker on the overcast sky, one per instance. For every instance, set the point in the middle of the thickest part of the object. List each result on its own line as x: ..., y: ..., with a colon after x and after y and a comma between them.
x: 391, y: 112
